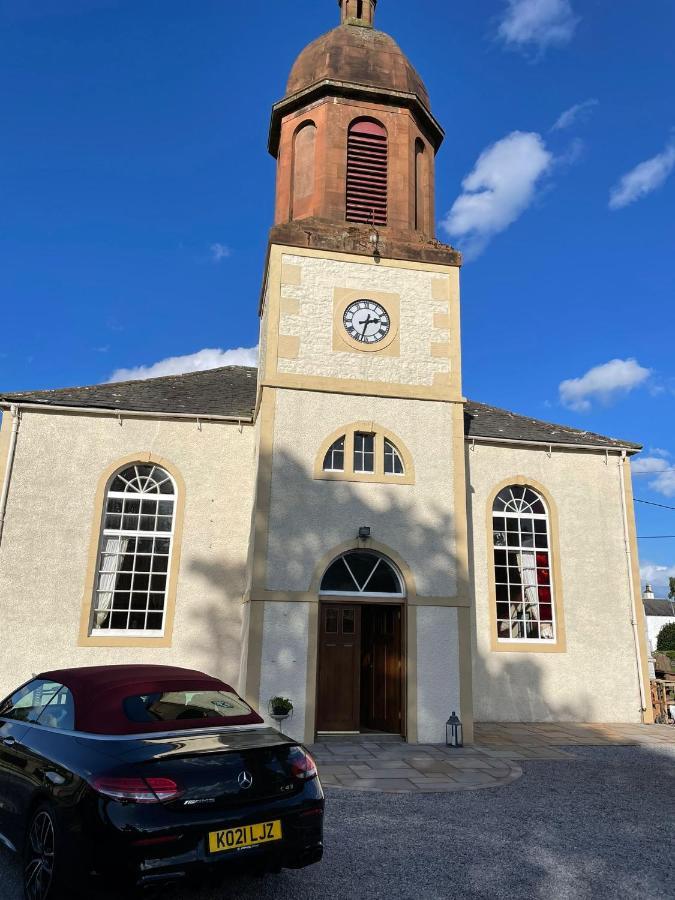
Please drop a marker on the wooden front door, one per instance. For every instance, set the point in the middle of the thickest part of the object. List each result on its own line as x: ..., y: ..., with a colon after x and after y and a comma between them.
x: 381, y: 669
x: 360, y: 668
x: 338, y: 701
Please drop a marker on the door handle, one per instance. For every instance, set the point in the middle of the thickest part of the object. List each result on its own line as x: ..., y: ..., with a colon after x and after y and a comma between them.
x: 9, y: 741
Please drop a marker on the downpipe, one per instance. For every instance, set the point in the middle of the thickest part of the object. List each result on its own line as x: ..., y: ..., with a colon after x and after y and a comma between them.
x: 631, y: 584
x: 15, y: 413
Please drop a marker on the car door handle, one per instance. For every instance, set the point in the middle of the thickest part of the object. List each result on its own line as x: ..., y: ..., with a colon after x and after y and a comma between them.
x: 9, y: 741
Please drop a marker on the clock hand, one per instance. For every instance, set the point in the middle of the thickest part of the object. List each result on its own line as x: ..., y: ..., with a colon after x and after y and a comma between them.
x: 368, y: 322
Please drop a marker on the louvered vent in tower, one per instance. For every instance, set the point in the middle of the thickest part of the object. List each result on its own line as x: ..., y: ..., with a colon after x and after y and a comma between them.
x: 367, y: 163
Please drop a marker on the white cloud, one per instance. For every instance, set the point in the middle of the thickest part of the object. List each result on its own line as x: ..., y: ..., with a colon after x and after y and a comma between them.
x: 604, y: 383
x: 541, y: 23
x: 658, y: 466
x: 648, y: 465
x: 194, y: 362
x: 649, y: 176
x: 219, y: 252
x: 500, y: 188
x: 657, y: 576
x: 664, y: 483
x: 575, y: 113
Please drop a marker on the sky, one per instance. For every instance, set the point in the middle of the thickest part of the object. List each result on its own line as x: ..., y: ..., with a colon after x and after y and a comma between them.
x: 136, y: 195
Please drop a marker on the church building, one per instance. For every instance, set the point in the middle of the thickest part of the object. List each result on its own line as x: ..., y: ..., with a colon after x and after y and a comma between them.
x: 341, y: 526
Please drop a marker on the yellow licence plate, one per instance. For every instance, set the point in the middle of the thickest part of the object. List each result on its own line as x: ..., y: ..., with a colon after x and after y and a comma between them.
x: 246, y: 836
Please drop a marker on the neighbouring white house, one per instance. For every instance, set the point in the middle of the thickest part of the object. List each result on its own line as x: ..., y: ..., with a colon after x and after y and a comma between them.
x: 341, y: 526
x: 657, y: 614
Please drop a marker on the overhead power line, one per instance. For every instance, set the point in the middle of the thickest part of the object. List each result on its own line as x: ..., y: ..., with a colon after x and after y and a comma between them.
x: 660, y: 505
x: 657, y: 537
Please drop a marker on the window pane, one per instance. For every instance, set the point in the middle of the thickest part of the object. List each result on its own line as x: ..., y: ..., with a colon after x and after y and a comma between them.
x: 364, y: 452
x: 384, y: 581
x: 331, y: 621
x: 348, y: 621
x: 178, y: 705
x: 393, y: 464
x: 27, y: 704
x: 60, y: 713
x: 337, y: 578
x: 335, y: 458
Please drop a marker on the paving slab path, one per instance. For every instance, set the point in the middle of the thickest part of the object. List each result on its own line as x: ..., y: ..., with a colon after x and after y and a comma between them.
x: 493, y: 761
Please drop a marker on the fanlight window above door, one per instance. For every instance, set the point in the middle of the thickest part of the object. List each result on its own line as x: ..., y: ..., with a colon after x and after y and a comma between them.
x: 362, y: 572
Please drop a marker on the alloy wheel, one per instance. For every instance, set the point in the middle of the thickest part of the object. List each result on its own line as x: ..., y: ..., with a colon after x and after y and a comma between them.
x: 39, y: 867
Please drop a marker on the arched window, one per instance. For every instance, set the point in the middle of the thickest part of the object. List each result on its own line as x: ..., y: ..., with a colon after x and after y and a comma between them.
x: 365, y: 452
x: 134, y: 553
x: 522, y: 559
x: 304, y: 156
x: 364, y: 573
x: 367, y: 171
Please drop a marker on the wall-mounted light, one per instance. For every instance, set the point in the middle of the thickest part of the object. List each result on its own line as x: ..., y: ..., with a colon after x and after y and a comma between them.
x: 364, y: 533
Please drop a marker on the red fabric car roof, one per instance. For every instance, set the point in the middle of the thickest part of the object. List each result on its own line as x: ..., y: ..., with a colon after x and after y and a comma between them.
x: 99, y: 693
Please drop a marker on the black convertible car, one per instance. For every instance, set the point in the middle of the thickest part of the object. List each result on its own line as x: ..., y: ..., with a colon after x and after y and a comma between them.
x: 148, y: 774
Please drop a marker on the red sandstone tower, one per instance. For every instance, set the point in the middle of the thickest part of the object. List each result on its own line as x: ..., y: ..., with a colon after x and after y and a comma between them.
x: 355, y: 141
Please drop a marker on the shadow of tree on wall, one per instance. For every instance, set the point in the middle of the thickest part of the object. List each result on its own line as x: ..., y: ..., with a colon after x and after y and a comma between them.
x: 312, y: 517
x: 215, y: 632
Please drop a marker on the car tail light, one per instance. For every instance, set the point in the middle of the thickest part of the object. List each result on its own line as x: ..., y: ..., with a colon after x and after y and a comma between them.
x: 303, y: 766
x: 137, y: 790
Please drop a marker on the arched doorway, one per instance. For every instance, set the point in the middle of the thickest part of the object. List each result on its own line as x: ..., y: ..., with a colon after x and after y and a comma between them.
x: 360, y: 680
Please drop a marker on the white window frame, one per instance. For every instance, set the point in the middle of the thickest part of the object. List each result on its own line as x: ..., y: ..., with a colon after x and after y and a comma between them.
x: 361, y: 453
x: 519, y: 514
x: 136, y: 534
x: 361, y: 591
x: 391, y: 452
x: 332, y: 450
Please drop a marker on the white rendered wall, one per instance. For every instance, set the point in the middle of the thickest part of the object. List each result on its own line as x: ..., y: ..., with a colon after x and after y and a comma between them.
x: 438, y: 689
x: 46, y: 542
x: 284, y: 661
x: 595, y: 679
x: 310, y: 517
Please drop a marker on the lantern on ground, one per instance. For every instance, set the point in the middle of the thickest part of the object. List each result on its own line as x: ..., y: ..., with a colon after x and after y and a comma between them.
x: 454, y: 732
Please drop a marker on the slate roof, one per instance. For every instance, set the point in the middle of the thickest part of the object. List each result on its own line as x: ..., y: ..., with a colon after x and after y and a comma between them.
x: 231, y: 391
x: 660, y: 608
x: 482, y: 421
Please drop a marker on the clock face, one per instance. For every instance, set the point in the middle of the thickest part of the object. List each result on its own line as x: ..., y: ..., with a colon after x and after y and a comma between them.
x: 366, y: 322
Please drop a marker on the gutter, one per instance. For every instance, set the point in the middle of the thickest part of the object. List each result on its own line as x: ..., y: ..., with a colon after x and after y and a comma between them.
x: 15, y: 411
x: 631, y: 587
x: 129, y: 413
x: 558, y: 445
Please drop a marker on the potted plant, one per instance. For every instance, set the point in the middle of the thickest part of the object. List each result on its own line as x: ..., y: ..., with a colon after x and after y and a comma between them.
x: 280, y: 708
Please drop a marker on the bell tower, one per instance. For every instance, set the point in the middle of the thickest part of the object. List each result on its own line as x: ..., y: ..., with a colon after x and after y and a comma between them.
x: 359, y: 358
x: 358, y: 12
x: 355, y: 139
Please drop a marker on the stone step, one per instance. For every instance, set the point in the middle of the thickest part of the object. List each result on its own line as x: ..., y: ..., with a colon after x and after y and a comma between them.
x: 369, y: 737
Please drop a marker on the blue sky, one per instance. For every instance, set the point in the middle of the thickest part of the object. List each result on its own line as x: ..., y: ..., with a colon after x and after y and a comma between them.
x: 136, y: 194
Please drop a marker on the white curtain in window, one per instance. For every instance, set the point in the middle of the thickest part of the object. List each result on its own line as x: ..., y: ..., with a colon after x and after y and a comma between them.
x: 528, y: 572
x: 108, y: 576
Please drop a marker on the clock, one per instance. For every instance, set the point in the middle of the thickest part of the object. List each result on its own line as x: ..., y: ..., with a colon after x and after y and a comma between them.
x: 366, y: 322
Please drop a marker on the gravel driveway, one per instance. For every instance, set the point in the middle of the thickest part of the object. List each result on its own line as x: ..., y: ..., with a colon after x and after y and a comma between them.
x: 594, y: 827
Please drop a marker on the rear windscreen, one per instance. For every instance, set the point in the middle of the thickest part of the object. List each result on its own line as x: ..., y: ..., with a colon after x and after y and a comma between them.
x: 174, y: 706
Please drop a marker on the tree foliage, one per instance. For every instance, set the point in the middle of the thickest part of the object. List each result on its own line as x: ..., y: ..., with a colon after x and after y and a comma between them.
x: 666, y: 638
x: 671, y: 592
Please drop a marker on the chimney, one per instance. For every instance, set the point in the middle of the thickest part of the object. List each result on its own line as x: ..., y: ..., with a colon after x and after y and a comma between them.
x: 358, y: 12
